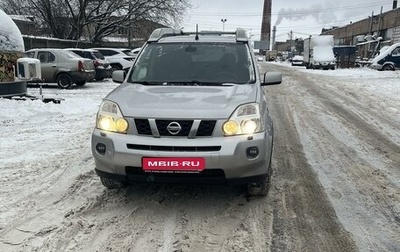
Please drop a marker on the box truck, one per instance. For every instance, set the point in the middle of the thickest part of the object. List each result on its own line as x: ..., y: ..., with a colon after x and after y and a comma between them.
x: 318, y: 52
x: 271, y: 55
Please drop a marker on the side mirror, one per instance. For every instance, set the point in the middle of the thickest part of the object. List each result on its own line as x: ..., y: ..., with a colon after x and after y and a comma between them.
x: 272, y: 78
x: 118, y: 76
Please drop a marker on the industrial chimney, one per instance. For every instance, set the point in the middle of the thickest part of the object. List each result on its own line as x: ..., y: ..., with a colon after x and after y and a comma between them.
x: 394, y: 4
x: 266, y: 21
x: 273, y: 37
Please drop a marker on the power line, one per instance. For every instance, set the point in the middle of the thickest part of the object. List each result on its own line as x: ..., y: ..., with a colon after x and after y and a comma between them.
x: 299, y: 12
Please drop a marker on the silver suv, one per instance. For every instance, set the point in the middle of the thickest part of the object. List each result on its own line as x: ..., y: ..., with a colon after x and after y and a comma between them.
x: 191, y: 109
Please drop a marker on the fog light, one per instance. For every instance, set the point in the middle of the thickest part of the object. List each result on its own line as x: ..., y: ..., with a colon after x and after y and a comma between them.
x: 252, y: 152
x: 101, y: 148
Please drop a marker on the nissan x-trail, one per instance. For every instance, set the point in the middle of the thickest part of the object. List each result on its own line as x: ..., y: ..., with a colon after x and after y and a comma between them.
x: 191, y: 109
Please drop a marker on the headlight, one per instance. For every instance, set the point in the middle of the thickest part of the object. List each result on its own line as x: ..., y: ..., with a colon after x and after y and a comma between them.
x: 110, y: 118
x: 245, y: 120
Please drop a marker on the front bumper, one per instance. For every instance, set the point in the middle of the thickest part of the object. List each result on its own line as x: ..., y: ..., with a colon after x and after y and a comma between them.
x: 225, y: 157
x: 376, y: 66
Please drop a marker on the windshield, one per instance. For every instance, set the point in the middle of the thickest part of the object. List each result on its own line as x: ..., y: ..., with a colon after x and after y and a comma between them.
x: 194, y: 63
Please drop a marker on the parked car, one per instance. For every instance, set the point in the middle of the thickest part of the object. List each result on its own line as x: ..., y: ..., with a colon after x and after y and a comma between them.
x: 136, y: 51
x: 101, y: 64
x: 119, y: 58
x: 298, y: 60
x: 63, y: 67
x: 191, y: 109
x: 388, y: 59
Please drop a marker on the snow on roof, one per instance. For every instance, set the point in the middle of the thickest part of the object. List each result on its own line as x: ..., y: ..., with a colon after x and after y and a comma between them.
x: 10, y: 36
x: 25, y: 18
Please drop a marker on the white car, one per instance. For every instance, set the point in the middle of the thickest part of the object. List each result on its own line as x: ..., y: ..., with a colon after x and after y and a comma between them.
x: 298, y: 60
x: 136, y: 51
x: 119, y: 58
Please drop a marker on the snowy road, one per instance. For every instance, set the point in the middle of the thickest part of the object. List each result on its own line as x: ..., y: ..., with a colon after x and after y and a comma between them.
x: 336, y: 182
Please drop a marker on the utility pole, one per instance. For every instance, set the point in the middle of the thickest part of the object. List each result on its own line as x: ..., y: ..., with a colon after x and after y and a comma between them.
x: 290, y: 39
x: 371, y: 22
x: 223, y: 20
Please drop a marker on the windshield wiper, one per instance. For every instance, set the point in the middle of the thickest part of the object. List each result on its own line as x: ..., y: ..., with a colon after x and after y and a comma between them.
x: 181, y: 83
x: 148, y: 83
x: 193, y: 83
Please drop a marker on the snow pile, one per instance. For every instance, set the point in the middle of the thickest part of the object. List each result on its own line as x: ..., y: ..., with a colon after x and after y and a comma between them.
x: 10, y: 36
x: 323, y: 48
x: 323, y: 53
x: 325, y: 40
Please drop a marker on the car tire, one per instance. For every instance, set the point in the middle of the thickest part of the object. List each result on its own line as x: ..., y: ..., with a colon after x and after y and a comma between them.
x: 80, y: 83
x: 112, y: 183
x: 388, y: 67
x: 64, y: 81
x: 261, y: 188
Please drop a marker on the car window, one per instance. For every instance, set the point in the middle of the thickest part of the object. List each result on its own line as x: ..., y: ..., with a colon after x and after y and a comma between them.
x: 107, y: 52
x: 88, y: 55
x: 396, y: 52
x: 98, y: 55
x: 194, y: 62
x: 46, y: 57
x: 29, y: 54
x: 79, y: 52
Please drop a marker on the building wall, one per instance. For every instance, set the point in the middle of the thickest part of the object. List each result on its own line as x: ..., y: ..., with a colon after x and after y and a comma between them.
x: 386, y: 25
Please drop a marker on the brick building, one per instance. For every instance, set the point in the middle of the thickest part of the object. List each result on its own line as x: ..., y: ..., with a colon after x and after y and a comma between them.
x: 385, y: 25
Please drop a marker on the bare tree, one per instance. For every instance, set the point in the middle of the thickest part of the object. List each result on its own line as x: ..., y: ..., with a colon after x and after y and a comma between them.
x: 96, y: 19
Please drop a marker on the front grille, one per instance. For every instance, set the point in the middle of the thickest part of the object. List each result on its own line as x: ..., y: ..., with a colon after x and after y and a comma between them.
x: 206, y: 128
x: 163, y: 124
x: 202, y: 128
x: 173, y: 148
x: 143, y: 126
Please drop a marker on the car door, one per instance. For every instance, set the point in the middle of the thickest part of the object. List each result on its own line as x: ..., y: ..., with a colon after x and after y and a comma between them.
x: 48, y: 65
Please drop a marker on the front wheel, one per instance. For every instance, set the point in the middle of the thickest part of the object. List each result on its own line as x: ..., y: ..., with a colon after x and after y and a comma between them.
x: 260, y: 188
x: 388, y: 67
x: 64, y: 81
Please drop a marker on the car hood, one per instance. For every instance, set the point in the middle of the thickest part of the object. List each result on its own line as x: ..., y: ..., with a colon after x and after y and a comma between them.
x: 217, y: 102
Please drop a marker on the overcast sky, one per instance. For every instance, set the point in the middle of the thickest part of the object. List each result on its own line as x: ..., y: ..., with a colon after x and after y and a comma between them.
x: 303, y: 17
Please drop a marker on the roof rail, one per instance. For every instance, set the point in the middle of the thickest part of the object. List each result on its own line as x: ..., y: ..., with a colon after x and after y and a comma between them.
x: 240, y: 33
x: 160, y: 33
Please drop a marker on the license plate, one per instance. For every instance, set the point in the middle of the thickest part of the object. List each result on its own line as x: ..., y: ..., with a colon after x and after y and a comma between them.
x: 175, y: 164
